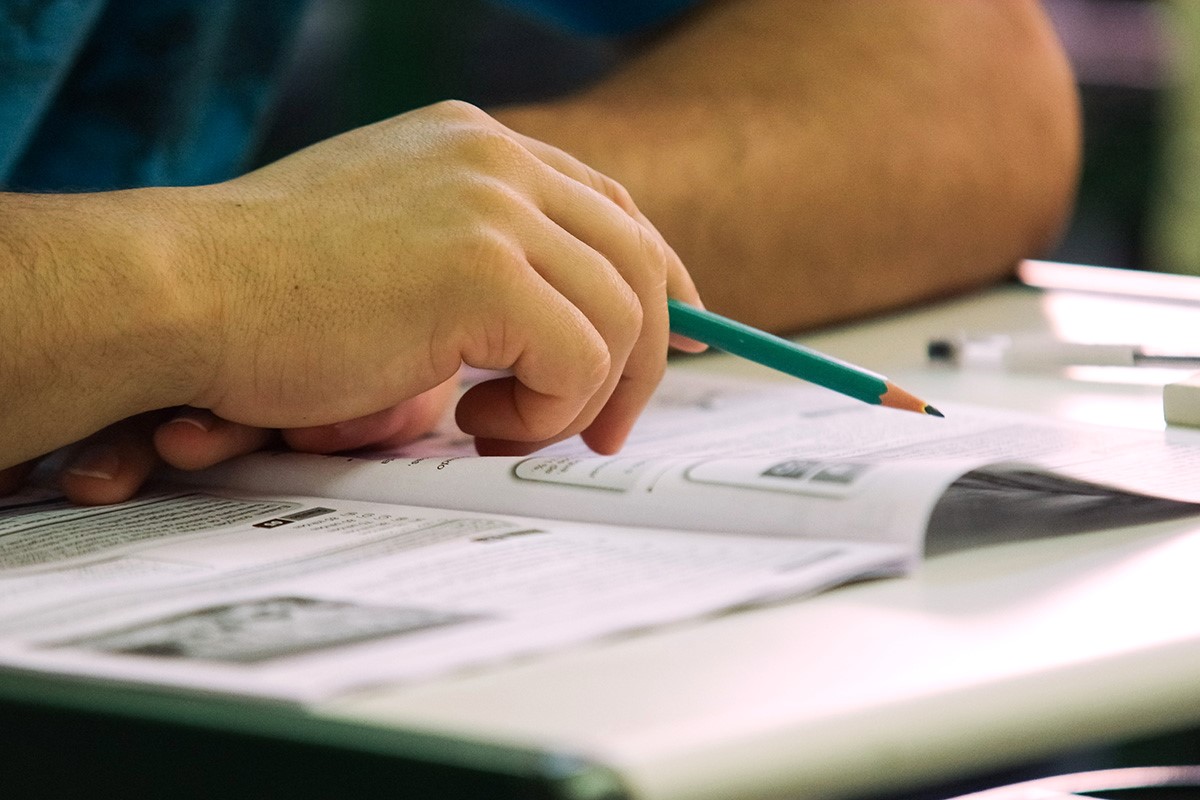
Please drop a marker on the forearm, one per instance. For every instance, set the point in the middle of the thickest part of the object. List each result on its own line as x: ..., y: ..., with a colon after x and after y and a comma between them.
x: 813, y: 162
x: 97, y: 320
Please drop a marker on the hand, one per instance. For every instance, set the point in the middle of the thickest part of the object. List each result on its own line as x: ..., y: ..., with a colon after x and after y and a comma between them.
x: 114, y: 464
x: 333, y: 287
x: 366, y: 269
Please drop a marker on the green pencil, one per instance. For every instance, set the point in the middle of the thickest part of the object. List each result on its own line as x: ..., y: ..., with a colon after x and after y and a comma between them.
x: 794, y: 359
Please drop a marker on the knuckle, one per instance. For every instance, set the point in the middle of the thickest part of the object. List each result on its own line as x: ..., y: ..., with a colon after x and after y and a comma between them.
x: 490, y: 150
x: 610, y: 188
x: 595, y: 365
x: 628, y: 315
x: 489, y: 258
x: 460, y: 109
x: 488, y: 248
x: 488, y: 198
x: 620, y: 195
x: 657, y: 256
x: 478, y: 266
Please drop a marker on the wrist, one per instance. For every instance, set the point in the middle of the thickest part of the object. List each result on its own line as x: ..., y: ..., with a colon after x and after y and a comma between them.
x: 168, y: 241
x: 171, y: 272
x: 105, y: 318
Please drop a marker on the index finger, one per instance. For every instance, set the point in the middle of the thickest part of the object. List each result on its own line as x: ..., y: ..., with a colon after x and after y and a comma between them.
x: 600, y: 212
x: 679, y: 281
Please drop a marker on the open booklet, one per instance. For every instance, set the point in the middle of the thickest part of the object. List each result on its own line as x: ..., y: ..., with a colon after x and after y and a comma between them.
x: 295, y: 577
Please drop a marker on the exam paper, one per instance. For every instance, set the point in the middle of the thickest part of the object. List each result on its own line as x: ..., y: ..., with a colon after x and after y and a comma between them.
x: 288, y: 583
x: 760, y: 459
x: 295, y: 598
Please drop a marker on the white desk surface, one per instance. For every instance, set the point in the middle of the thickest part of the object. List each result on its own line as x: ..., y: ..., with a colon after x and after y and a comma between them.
x: 982, y: 658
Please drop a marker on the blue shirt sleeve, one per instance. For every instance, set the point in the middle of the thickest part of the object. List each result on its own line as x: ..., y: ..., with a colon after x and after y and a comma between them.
x: 603, y: 17
x: 170, y: 92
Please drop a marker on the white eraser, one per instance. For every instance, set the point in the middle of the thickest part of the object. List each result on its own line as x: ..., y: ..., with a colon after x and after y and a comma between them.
x: 1181, y: 402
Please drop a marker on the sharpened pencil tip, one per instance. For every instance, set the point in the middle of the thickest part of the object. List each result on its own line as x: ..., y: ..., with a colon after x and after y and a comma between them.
x: 895, y: 397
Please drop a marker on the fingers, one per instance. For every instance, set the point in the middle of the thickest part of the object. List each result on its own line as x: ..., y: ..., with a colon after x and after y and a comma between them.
x: 679, y: 280
x: 634, y: 348
x: 639, y: 252
x: 13, y: 478
x: 393, y: 427
x: 557, y: 357
x: 643, y: 262
x: 115, y: 463
x: 194, y: 439
x: 112, y: 465
x: 605, y: 258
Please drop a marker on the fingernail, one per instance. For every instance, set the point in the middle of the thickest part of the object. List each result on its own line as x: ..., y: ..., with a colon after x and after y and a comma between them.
x: 98, y: 461
x: 196, y: 418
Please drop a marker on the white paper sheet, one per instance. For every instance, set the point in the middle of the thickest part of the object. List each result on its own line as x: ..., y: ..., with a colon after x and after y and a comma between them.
x: 295, y: 598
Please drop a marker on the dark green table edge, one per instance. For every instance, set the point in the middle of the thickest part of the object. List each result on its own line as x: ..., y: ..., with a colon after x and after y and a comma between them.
x: 64, y: 737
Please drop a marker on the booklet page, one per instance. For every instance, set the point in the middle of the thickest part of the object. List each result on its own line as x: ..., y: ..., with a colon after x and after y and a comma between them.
x: 771, y: 458
x: 296, y: 598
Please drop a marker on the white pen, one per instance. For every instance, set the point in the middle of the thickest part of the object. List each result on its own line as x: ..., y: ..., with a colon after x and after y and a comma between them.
x: 1034, y: 353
